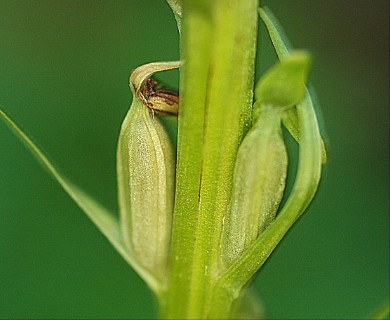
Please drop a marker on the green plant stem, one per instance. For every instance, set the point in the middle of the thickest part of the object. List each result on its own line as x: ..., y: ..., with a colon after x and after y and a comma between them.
x: 218, y: 49
x: 229, y: 104
x: 196, y: 39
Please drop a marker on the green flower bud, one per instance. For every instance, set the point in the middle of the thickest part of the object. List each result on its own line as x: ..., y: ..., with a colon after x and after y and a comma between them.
x: 261, y: 164
x: 146, y: 176
x: 258, y: 186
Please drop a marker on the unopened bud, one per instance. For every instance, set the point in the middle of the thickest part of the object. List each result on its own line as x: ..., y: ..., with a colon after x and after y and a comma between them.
x: 259, y: 182
x: 261, y: 164
x: 146, y: 176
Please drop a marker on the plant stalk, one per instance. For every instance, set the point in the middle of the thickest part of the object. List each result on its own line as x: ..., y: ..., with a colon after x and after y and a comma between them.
x: 218, y: 49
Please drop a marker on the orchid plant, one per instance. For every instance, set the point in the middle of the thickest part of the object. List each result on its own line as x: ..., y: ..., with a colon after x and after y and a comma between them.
x: 198, y: 219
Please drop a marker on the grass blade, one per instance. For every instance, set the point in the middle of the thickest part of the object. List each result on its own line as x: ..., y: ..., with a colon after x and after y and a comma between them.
x: 283, y: 47
x: 105, y: 221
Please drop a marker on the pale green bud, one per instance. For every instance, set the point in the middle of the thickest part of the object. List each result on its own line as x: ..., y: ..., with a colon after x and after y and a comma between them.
x: 258, y: 186
x: 146, y: 177
x: 261, y: 164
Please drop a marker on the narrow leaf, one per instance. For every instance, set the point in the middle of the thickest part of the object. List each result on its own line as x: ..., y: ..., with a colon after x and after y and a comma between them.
x: 177, y: 11
x: 278, y: 37
x: 105, y: 221
x: 381, y: 313
x: 283, y: 47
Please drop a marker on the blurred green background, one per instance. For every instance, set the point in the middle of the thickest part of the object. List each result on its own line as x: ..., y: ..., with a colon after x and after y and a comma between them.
x: 64, y: 69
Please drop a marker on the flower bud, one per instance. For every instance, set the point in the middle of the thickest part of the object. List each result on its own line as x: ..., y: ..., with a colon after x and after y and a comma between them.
x: 146, y: 176
x: 261, y: 164
x: 258, y: 186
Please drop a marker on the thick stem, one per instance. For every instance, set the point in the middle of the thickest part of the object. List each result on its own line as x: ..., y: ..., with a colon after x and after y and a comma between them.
x: 218, y: 49
x: 229, y: 103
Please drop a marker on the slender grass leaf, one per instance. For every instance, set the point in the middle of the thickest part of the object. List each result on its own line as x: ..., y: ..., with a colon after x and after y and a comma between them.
x: 381, y: 313
x: 283, y: 48
x: 177, y: 11
x: 105, y: 221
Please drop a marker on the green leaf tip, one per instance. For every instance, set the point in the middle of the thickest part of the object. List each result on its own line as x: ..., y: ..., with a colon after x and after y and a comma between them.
x: 284, y: 84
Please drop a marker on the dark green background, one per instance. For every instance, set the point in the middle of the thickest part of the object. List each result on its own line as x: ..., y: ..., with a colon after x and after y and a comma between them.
x: 64, y: 68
